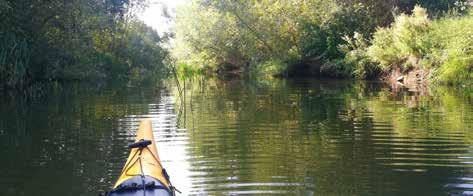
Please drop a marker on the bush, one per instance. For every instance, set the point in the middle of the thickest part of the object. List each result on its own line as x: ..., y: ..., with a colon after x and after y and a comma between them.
x: 382, y: 49
x: 49, y: 40
x: 444, y: 46
x: 274, y: 67
x: 356, y: 56
x: 337, y: 68
x: 185, y: 71
x: 403, y: 44
x: 451, y: 50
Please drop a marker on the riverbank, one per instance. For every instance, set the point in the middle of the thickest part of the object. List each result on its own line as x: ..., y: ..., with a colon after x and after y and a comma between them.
x: 428, y: 44
x: 76, y: 40
x: 417, y: 49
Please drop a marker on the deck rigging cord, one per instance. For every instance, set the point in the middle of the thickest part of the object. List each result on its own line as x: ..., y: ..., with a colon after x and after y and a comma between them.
x: 142, y: 145
x: 142, y: 174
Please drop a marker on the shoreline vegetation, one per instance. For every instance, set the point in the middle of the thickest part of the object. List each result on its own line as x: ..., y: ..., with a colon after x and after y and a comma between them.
x: 408, y: 43
x: 76, y: 40
x: 411, y: 42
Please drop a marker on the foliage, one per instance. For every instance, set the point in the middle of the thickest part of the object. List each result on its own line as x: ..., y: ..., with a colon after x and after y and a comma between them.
x: 337, y: 68
x: 451, y: 52
x: 414, y: 41
x: 402, y: 44
x: 236, y: 33
x: 270, y: 68
x: 142, y: 50
x: 242, y: 35
x: 356, y: 57
x: 185, y: 71
x: 77, y: 39
x: 217, y: 29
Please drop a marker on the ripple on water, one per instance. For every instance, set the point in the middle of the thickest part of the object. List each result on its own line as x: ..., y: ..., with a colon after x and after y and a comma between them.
x: 282, y: 138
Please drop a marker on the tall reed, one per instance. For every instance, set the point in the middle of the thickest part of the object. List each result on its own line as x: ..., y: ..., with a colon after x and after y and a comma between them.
x: 15, y: 55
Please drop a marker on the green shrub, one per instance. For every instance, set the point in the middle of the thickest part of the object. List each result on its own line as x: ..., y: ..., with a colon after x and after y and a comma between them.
x: 274, y: 67
x: 402, y: 44
x: 357, y: 58
x: 337, y: 68
x: 46, y: 40
x: 456, y: 70
x: 451, y: 50
x: 445, y: 46
x: 184, y: 70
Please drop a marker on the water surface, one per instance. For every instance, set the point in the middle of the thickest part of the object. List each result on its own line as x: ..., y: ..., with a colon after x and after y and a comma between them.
x: 286, y: 137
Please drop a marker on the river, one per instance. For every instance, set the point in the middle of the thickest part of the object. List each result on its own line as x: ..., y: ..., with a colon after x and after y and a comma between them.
x: 237, y: 137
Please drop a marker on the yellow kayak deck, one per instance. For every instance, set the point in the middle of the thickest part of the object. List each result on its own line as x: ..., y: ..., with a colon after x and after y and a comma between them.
x: 143, y: 160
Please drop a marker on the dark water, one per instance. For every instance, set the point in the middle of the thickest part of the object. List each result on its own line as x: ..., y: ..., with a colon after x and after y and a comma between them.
x: 286, y: 137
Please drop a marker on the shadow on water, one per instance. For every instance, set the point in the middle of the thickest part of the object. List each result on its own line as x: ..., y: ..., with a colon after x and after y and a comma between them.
x: 296, y: 137
x: 61, y: 139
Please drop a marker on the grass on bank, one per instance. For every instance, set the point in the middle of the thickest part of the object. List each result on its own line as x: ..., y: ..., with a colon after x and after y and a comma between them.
x: 444, y: 46
x: 413, y: 41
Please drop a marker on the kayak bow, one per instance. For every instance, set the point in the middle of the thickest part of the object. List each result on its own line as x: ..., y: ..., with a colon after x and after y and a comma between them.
x: 143, y: 173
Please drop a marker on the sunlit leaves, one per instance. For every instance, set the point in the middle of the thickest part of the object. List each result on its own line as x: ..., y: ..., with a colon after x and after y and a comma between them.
x: 237, y: 33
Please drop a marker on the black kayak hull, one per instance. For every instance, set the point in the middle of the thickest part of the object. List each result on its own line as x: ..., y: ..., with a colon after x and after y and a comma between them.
x: 134, y: 187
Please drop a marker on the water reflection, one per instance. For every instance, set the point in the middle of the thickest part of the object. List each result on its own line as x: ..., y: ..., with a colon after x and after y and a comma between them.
x: 171, y: 141
x: 307, y: 137
x: 289, y: 137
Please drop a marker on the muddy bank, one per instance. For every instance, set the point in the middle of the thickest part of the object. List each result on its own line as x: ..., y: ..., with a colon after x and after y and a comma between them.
x: 415, y: 80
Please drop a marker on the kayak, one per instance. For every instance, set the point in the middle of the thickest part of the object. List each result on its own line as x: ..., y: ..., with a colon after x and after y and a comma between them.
x: 143, y: 174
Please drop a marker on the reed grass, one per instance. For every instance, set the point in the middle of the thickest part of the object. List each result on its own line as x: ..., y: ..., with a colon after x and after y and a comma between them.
x: 15, y: 55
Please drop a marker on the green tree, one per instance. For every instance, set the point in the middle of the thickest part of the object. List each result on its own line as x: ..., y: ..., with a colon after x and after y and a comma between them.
x: 299, y: 36
x: 77, y: 39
